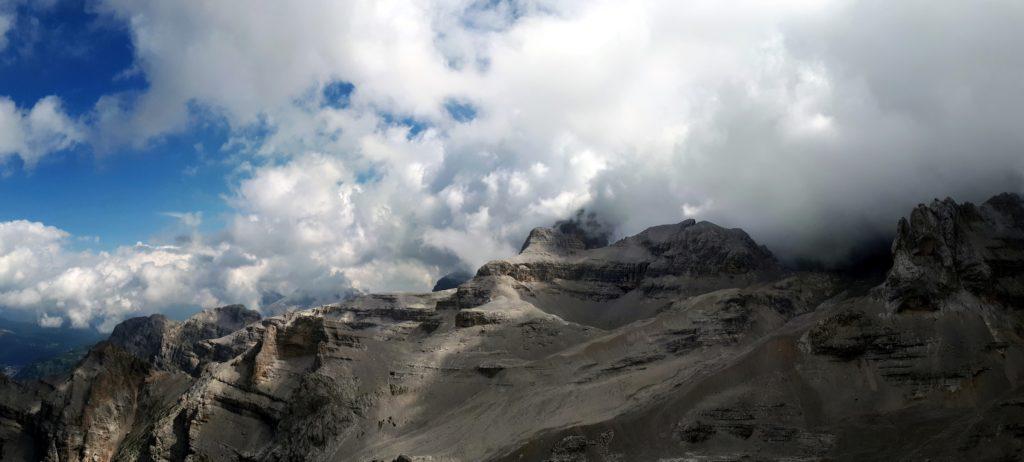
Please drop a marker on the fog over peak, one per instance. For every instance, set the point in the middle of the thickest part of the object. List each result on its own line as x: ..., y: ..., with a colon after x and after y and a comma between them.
x: 461, y: 125
x: 592, y: 231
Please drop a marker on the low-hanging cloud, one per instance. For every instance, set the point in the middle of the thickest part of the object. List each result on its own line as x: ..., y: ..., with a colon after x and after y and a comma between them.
x: 588, y: 226
x: 813, y: 125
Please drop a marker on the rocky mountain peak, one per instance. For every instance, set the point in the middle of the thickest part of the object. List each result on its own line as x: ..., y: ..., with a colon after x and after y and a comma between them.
x: 558, y: 270
x: 661, y: 235
x: 143, y: 337
x: 170, y: 344
x: 1010, y: 206
x: 226, y: 318
x: 702, y: 249
x: 946, y: 248
x: 551, y: 242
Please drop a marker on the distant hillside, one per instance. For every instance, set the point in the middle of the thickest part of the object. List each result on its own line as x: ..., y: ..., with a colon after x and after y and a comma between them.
x: 54, y: 366
x: 24, y: 343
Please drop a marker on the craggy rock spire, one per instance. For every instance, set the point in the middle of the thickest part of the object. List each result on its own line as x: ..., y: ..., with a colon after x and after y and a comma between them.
x: 947, y: 250
x: 173, y: 345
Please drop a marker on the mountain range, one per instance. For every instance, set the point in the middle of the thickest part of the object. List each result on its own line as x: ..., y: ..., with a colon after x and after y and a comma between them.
x: 687, y: 341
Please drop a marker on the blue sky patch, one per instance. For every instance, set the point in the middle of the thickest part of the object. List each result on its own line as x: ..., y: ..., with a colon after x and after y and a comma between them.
x: 66, y: 51
x: 461, y: 111
x: 337, y: 94
x: 414, y: 125
x: 122, y: 198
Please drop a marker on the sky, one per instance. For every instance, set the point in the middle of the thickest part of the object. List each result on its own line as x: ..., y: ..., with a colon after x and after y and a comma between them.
x: 171, y: 155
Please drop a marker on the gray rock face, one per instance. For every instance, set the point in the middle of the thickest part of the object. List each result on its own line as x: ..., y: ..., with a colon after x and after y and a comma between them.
x: 684, y: 342
x: 451, y: 281
x: 628, y: 280
x: 551, y: 242
x: 171, y: 345
x: 18, y: 430
x: 142, y: 337
x: 948, y: 248
x: 701, y: 249
x: 684, y: 249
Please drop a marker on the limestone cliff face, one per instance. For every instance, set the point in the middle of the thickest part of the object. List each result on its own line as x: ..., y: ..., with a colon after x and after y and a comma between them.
x: 685, y: 249
x: 559, y: 274
x: 170, y: 345
x: 946, y: 249
x: 684, y: 342
x: 18, y: 433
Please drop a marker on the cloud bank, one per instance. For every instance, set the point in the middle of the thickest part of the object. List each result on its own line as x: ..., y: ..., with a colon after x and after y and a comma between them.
x: 387, y: 143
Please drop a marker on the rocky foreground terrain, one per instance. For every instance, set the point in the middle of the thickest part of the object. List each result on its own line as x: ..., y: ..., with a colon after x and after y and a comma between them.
x: 684, y: 342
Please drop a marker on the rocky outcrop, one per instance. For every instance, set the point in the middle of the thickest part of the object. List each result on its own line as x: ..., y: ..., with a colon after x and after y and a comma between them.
x: 700, y: 249
x: 684, y: 342
x: 946, y: 249
x: 90, y: 414
x: 452, y: 280
x: 684, y: 249
x: 19, y: 436
x: 559, y: 272
x: 550, y: 242
x: 142, y: 337
x: 171, y: 345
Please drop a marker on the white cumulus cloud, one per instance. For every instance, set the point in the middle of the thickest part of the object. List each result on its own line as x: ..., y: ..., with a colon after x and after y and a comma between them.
x: 36, y: 132
x: 811, y: 124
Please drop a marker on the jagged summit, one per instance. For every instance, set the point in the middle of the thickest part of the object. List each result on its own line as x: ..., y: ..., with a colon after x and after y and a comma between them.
x: 719, y: 249
x: 702, y: 248
x: 685, y: 341
x: 551, y: 242
x: 170, y: 344
x: 628, y: 280
x: 302, y: 300
x: 947, y: 249
x: 566, y: 237
x: 229, y: 318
